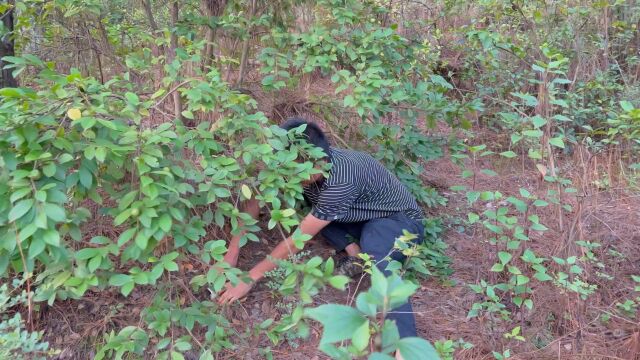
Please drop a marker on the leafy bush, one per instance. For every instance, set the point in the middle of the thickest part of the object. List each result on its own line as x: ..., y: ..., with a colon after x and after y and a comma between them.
x: 363, y: 326
x: 15, y: 341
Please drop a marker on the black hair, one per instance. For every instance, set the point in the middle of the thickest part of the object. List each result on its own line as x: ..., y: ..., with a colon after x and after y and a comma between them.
x: 313, y: 134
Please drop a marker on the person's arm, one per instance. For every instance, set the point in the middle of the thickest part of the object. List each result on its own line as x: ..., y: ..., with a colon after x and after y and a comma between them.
x: 310, y: 225
x: 252, y: 208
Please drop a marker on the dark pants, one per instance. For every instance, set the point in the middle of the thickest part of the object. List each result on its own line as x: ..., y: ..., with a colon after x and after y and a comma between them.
x: 376, y: 238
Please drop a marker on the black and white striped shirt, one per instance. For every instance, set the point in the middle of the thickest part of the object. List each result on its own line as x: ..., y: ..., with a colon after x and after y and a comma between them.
x: 359, y: 188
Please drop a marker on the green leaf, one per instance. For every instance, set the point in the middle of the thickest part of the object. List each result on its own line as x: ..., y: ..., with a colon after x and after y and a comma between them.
x: 497, y: 267
x: 528, y: 256
x: 87, y: 253
x: 19, y: 209
x: 165, y: 222
x: 339, y: 321
x: 94, y: 263
x: 439, y: 80
x: 538, y: 121
x: 558, y: 260
x: 206, y: 355
x: 575, y: 269
x: 126, y: 200
x: 176, y: 356
x: 339, y: 281
x: 222, y: 192
x: 122, y: 217
x: 515, y: 138
x: 119, y: 279
x: 142, y: 240
x: 49, y: 169
x: 51, y: 237
x: 414, y: 348
x: 246, y: 191
x: 533, y: 134
x: 171, y: 266
x: 361, y: 336
x: 36, y: 247
x: 508, y: 154
x: 400, y: 292
x: 473, y: 196
x: 529, y: 100
x: 520, y: 205
x: 528, y: 303
x: 65, y: 158
x: 288, y: 212
x: 86, y: 178
x: 514, y: 270
x: 538, y: 68
x: 538, y: 227
x: 626, y: 106
x: 540, y: 203
x: 126, y: 236
x: 41, y: 196
x: 489, y: 172
x: 132, y: 98
x: 473, y: 217
x: 101, y: 154
x: 127, y: 288
x: 187, y: 114
x: 557, y: 141
x: 504, y: 257
x: 19, y: 194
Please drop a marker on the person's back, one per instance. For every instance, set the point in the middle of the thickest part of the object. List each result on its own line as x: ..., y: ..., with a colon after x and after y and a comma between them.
x: 359, y: 188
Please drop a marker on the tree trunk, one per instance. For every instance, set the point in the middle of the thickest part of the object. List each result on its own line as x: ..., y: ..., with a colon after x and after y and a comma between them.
x: 171, y: 52
x: 211, y: 9
x: 177, y: 100
x: 7, y: 46
x: 147, y: 10
x: 605, y: 52
x: 245, y: 47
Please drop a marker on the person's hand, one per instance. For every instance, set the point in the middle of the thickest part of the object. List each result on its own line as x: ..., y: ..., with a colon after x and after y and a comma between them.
x: 233, y: 293
x: 231, y: 258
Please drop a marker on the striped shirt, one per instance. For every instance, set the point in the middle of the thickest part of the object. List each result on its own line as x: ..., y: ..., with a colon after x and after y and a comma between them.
x: 359, y: 188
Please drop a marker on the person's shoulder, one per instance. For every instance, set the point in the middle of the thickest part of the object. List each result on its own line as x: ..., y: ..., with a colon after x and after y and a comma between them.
x: 345, y: 155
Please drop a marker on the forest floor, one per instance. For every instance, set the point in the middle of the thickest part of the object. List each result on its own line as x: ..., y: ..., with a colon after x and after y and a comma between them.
x: 559, y: 326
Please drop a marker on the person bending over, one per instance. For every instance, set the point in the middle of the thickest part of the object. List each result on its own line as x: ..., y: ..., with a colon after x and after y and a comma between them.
x: 360, y: 207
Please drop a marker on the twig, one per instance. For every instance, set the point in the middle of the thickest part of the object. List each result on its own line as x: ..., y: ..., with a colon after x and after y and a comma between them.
x: 171, y: 92
x: 27, y: 277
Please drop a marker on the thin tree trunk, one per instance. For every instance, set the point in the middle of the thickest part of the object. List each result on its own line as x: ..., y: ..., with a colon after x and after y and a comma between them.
x: 152, y: 23
x: 95, y: 49
x: 171, y: 52
x: 606, y: 39
x: 106, y: 49
x: 211, y: 9
x: 7, y: 46
x: 147, y: 10
x: 177, y: 100
x: 245, y: 48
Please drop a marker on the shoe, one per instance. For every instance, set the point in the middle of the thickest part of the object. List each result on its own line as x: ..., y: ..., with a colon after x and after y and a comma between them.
x: 350, y: 266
